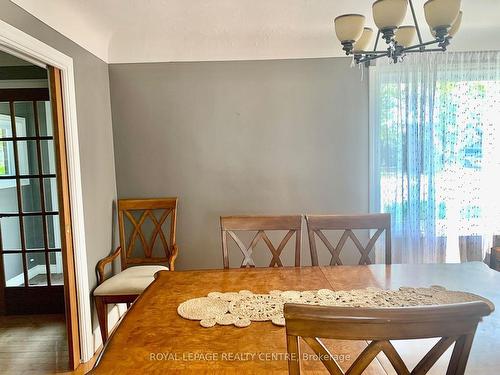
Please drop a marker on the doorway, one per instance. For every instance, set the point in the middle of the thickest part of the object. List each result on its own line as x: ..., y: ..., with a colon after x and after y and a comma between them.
x: 30, y: 239
x: 35, y: 229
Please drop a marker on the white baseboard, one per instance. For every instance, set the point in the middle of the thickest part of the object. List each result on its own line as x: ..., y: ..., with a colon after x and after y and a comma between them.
x: 114, y: 315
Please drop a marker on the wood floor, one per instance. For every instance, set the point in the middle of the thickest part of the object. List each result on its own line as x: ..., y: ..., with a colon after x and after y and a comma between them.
x: 35, y: 344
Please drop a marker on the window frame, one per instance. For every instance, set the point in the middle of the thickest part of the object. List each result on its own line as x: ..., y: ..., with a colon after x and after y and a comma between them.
x: 5, y: 123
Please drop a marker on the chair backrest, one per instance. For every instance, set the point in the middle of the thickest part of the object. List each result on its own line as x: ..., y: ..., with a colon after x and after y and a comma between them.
x: 495, y: 258
x: 260, y: 224
x: 141, y: 215
x: 455, y: 323
x: 316, y: 224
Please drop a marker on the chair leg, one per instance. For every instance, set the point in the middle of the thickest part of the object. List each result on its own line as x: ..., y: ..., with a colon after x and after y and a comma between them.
x: 460, y: 355
x: 292, y: 343
x: 102, y: 315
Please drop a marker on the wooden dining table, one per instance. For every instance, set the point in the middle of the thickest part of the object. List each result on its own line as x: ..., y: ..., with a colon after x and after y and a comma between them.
x: 153, y: 338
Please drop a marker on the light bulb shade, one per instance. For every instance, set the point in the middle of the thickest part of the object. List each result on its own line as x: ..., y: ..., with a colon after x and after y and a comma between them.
x: 364, y: 40
x: 349, y: 27
x: 389, y: 14
x: 405, y: 35
x: 441, y: 13
x: 455, y: 26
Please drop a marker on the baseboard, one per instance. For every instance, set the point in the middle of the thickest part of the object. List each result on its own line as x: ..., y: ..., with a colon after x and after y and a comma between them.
x: 114, y: 315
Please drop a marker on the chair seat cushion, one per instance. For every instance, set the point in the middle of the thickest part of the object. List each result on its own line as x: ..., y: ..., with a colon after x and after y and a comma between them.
x: 132, y: 280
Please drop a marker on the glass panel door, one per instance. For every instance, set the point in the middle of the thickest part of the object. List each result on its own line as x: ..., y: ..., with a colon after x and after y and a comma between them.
x: 30, y: 238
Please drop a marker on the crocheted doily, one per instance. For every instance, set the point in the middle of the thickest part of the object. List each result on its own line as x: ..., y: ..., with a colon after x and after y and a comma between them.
x: 243, y: 307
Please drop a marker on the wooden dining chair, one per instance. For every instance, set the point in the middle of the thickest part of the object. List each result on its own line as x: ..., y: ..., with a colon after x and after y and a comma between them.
x: 316, y: 224
x: 453, y: 324
x: 231, y: 224
x: 145, y: 248
x: 495, y: 258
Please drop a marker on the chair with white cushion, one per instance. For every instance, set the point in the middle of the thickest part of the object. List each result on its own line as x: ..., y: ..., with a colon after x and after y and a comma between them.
x: 147, y: 245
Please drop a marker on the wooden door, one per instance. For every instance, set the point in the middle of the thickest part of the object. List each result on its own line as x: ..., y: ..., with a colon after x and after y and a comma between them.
x: 71, y: 308
x: 30, y: 246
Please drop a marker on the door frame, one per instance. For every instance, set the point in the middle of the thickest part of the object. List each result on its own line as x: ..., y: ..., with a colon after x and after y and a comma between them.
x: 22, y: 45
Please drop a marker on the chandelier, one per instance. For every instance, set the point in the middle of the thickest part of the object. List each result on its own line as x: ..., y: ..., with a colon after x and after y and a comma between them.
x: 442, y: 16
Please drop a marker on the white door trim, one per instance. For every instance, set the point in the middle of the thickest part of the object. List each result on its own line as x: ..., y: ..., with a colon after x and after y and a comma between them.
x: 22, y: 45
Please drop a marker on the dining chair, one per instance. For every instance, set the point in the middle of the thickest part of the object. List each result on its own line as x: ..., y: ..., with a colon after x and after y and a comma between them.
x: 230, y: 225
x: 470, y: 248
x: 316, y: 224
x: 452, y: 324
x: 146, y: 247
x: 495, y: 258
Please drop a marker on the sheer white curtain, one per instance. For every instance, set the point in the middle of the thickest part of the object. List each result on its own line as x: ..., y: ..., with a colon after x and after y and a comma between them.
x: 435, y: 137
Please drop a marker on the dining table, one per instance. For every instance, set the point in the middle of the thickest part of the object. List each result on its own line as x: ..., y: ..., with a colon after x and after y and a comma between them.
x: 152, y: 338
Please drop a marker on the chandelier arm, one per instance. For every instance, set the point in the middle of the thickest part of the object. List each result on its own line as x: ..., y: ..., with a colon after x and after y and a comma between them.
x: 421, y: 46
x: 370, y: 58
x: 428, y: 50
x: 415, y: 22
x: 374, y: 53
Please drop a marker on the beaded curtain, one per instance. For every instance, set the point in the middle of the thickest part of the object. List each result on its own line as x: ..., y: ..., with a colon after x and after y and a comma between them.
x: 436, y: 154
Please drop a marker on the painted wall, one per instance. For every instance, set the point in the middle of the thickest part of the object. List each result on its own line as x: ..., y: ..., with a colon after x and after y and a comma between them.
x: 94, y: 130
x: 248, y: 137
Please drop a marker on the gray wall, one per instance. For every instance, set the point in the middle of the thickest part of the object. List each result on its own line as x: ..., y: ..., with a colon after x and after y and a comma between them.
x: 248, y: 137
x: 94, y: 130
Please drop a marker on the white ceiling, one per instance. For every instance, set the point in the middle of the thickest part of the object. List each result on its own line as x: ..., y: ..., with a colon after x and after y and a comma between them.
x: 121, y: 31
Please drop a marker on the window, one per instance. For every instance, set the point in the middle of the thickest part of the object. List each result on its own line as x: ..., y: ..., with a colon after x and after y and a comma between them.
x: 6, y: 153
x: 436, y: 152
x: 7, y: 163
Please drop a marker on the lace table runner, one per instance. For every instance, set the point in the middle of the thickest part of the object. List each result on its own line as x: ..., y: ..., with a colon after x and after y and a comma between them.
x: 243, y: 307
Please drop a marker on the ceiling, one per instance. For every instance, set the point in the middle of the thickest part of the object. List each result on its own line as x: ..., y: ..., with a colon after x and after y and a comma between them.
x: 120, y: 31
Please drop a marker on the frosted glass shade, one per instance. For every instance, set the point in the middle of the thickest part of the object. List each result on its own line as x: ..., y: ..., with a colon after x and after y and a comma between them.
x: 455, y: 25
x: 405, y: 35
x: 389, y: 14
x: 364, y: 41
x: 441, y: 13
x: 349, y: 27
